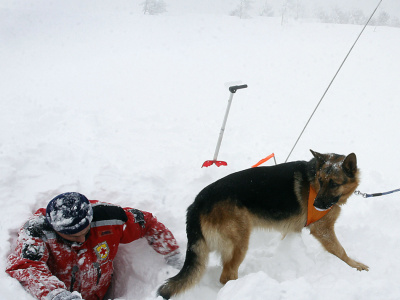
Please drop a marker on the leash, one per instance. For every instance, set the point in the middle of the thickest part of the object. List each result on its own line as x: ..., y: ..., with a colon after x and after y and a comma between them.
x: 365, y: 195
x: 333, y: 79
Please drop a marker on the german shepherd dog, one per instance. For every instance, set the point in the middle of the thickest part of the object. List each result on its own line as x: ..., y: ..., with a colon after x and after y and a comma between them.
x: 224, y: 213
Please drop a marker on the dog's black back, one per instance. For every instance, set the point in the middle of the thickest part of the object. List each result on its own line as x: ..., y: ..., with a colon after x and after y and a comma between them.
x: 268, y: 192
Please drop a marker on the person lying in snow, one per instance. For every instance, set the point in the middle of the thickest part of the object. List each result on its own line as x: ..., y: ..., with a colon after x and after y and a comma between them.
x: 66, y: 251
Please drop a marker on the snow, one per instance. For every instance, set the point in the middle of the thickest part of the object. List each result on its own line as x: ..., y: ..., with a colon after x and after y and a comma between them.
x: 124, y: 108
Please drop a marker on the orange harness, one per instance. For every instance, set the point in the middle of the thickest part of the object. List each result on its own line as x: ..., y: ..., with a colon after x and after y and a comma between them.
x: 313, y: 214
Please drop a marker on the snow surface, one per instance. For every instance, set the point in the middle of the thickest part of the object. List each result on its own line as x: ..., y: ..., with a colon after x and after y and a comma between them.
x: 125, y: 107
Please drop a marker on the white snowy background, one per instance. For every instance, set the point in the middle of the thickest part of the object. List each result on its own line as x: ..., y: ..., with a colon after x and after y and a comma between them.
x: 98, y: 98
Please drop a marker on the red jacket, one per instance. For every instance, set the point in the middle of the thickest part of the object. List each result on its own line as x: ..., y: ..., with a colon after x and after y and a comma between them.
x: 44, y: 262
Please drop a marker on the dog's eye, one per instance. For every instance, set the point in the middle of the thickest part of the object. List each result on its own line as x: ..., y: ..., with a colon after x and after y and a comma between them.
x: 333, y: 184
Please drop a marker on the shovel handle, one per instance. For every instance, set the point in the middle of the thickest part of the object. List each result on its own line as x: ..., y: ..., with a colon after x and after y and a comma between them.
x: 234, y: 88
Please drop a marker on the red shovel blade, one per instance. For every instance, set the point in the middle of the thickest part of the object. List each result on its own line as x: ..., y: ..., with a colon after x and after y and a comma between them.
x: 218, y: 163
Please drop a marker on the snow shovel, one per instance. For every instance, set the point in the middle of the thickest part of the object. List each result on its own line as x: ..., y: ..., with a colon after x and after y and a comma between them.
x: 219, y: 163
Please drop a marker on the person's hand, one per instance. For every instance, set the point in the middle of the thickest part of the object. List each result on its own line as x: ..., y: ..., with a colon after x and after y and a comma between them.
x: 174, y: 259
x: 65, y: 295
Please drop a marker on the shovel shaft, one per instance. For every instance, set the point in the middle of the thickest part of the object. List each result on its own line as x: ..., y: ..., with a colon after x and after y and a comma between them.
x: 221, y: 133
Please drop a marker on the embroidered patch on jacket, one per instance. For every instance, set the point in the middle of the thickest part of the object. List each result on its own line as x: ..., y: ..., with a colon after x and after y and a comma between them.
x: 102, y: 251
x: 139, y: 217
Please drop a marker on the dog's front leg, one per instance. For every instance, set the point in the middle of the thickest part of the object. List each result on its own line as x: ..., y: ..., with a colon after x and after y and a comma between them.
x: 327, y: 237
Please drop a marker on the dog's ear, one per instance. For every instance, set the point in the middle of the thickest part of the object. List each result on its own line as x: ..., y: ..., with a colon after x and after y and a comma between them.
x: 350, y: 165
x: 320, y: 157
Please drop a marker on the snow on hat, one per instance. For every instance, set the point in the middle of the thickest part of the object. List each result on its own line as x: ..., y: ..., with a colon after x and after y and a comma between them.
x: 69, y: 213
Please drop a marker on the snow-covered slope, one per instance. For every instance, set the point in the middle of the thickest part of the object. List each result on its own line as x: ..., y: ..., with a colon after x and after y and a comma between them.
x: 125, y: 107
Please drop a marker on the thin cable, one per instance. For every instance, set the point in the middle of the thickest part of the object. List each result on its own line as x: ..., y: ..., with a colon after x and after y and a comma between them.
x: 333, y: 79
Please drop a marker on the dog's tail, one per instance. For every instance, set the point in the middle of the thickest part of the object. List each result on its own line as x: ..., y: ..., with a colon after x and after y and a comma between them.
x: 195, y: 262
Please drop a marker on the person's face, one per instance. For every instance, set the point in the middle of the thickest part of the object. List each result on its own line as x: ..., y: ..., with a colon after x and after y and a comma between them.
x: 78, y: 237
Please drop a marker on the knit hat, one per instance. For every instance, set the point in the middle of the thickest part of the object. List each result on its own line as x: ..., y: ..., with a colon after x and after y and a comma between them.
x: 69, y: 213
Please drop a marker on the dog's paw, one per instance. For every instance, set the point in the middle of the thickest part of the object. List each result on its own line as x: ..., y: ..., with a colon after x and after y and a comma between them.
x: 361, y: 267
x: 226, y: 276
x: 357, y: 265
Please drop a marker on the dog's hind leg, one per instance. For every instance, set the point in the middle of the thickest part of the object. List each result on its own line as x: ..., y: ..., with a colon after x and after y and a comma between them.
x: 232, y: 262
x: 227, y: 230
x: 237, y: 236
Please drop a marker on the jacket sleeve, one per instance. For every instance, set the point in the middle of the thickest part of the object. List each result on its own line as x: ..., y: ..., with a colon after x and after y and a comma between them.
x: 28, y: 263
x: 144, y: 224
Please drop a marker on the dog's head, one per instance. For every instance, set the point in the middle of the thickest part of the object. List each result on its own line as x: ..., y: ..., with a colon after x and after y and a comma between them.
x: 336, y: 178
